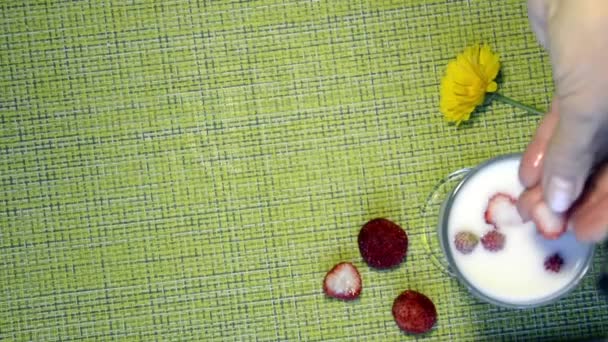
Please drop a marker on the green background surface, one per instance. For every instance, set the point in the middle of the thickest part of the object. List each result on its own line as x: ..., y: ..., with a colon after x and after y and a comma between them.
x: 189, y: 170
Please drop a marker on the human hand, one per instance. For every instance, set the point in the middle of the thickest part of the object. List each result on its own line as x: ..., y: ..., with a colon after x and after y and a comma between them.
x: 573, y: 137
x: 588, y: 215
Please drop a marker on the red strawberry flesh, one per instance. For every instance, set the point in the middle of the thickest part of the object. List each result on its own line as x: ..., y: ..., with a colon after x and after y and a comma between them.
x: 548, y: 223
x: 502, y: 211
x: 343, y: 281
x: 414, y: 312
x: 382, y: 243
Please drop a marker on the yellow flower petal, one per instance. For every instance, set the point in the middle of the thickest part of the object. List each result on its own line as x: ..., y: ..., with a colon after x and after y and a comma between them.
x: 492, y: 87
x: 466, y: 81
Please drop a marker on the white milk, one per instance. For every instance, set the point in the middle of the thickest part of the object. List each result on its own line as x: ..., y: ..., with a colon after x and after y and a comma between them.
x: 516, y: 274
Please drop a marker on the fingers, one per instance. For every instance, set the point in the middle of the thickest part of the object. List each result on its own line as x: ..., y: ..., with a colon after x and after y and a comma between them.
x: 570, y: 141
x: 527, y: 201
x: 578, y: 50
x: 590, y: 216
x: 591, y: 224
x: 532, y: 207
x: 530, y: 170
x: 568, y: 158
x: 548, y: 223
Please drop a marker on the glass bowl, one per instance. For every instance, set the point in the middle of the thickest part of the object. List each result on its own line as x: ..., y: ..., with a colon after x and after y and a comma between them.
x: 436, y: 213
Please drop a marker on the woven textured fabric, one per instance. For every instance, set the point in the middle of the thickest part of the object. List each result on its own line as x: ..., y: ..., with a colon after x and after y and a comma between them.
x: 190, y: 169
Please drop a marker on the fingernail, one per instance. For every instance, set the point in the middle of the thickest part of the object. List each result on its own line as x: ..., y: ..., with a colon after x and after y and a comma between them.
x: 560, y: 194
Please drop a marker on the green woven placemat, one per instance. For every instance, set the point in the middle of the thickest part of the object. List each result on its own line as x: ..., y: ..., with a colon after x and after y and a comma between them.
x: 190, y: 169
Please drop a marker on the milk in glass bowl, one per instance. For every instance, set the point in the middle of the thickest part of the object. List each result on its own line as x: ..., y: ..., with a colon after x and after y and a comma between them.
x: 517, y: 275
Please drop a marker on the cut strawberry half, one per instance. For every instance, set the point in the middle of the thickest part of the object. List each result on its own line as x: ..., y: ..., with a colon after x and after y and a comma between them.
x: 502, y: 210
x: 343, y: 281
x: 548, y: 223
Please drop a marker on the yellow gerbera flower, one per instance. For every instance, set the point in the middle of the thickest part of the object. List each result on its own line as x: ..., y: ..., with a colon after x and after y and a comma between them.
x: 467, y: 80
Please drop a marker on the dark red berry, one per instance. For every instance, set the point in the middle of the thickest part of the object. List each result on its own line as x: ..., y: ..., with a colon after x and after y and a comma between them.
x: 414, y: 312
x: 554, y: 263
x: 382, y: 243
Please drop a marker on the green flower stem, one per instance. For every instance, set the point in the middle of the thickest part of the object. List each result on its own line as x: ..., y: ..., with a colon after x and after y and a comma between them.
x: 517, y: 104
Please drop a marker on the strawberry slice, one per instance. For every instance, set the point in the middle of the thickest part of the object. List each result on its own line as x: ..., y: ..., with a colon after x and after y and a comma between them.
x: 343, y: 281
x: 502, y: 210
x: 548, y: 223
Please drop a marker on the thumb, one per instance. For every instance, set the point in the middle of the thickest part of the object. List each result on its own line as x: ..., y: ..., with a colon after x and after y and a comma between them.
x: 578, y: 50
x: 570, y: 155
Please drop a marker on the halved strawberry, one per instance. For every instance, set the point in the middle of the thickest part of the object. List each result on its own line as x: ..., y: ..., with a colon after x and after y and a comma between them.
x: 343, y: 281
x: 548, y: 223
x: 502, y: 210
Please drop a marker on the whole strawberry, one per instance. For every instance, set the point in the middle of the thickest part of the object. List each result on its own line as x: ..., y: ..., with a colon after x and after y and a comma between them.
x: 414, y: 312
x: 382, y: 243
x: 465, y: 242
x: 554, y: 263
x: 493, y: 241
